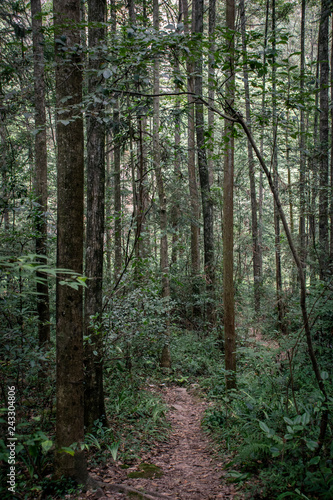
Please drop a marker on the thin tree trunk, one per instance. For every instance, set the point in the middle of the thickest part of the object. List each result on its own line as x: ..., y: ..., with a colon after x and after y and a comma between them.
x: 193, y: 187
x: 117, y: 194
x: 69, y: 318
x: 131, y: 11
x: 175, y: 209
x: 254, y: 216
x: 165, y: 359
x: 314, y: 174
x: 109, y: 160
x: 142, y: 245
x: 323, y: 136
x: 207, y: 203
x: 228, y: 216
x: 93, y: 382
x: 263, y: 112
x: 278, y: 274
x: 302, y: 168
x: 43, y: 309
x: 211, y: 84
x: 331, y: 205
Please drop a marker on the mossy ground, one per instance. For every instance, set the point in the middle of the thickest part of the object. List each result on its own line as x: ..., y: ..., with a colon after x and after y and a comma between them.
x: 147, y: 471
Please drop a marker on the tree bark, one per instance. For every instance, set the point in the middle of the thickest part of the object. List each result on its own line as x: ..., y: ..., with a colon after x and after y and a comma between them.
x: 302, y: 145
x: 254, y: 216
x: 117, y: 189
x: 93, y: 382
x: 69, y: 320
x: 323, y: 136
x: 207, y: 203
x: 263, y: 112
x: 228, y: 215
x: 278, y: 274
x: 43, y: 309
x: 175, y: 209
x: 193, y: 187
x: 331, y: 204
x: 164, y: 263
x: 211, y: 85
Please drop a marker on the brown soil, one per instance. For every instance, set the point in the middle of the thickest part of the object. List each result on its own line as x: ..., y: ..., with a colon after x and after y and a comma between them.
x: 189, y: 469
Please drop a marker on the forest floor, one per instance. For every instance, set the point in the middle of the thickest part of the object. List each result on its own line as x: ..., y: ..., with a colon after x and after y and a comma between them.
x: 184, y: 467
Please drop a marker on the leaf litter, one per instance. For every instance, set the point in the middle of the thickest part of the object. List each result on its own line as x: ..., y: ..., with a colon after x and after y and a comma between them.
x: 186, y: 463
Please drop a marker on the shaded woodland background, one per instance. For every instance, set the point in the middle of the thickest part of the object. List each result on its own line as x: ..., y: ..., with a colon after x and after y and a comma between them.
x: 166, y: 212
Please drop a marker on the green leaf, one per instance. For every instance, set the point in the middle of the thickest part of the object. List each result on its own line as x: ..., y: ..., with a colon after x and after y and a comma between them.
x: 312, y: 445
x: 305, y: 418
x: 314, y: 461
x: 114, y: 450
x: 47, y: 445
x: 275, y: 451
x: 324, y: 375
x: 264, y: 427
x: 68, y: 450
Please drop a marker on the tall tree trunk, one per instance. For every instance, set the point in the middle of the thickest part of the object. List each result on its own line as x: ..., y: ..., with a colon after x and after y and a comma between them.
x: 323, y: 136
x: 331, y: 204
x: 193, y: 187
x: 228, y: 215
x: 43, y: 309
x: 207, y: 203
x: 165, y: 360
x: 175, y: 209
x: 278, y: 274
x: 108, y: 184
x: 117, y: 185
x: 254, y: 216
x: 69, y: 320
x: 302, y: 169
x: 139, y: 184
x: 93, y: 382
x: 314, y: 175
x: 263, y: 112
x: 141, y: 237
x: 211, y: 85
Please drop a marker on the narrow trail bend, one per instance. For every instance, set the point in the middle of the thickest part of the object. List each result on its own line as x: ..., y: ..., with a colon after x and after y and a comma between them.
x: 189, y: 470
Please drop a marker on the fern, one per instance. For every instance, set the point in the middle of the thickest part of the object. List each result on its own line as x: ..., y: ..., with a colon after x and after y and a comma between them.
x: 254, y: 448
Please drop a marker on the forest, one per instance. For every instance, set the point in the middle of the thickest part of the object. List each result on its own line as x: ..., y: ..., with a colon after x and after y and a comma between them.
x: 166, y: 249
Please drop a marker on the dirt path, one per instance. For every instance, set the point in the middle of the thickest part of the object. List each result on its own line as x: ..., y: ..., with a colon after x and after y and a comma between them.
x: 189, y: 471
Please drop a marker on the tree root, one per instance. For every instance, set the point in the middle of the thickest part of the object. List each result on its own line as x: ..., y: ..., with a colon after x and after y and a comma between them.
x: 150, y: 495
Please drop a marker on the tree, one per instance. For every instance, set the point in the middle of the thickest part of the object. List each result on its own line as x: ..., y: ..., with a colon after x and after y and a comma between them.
x: 278, y: 274
x: 302, y: 140
x: 207, y: 202
x: 254, y: 215
x: 228, y: 213
x: 193, y: 187
x: 93, y: 393
x: 41, y: 171
x: 211, y: 80
x: 69, y: 318
x: 323, y: 59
